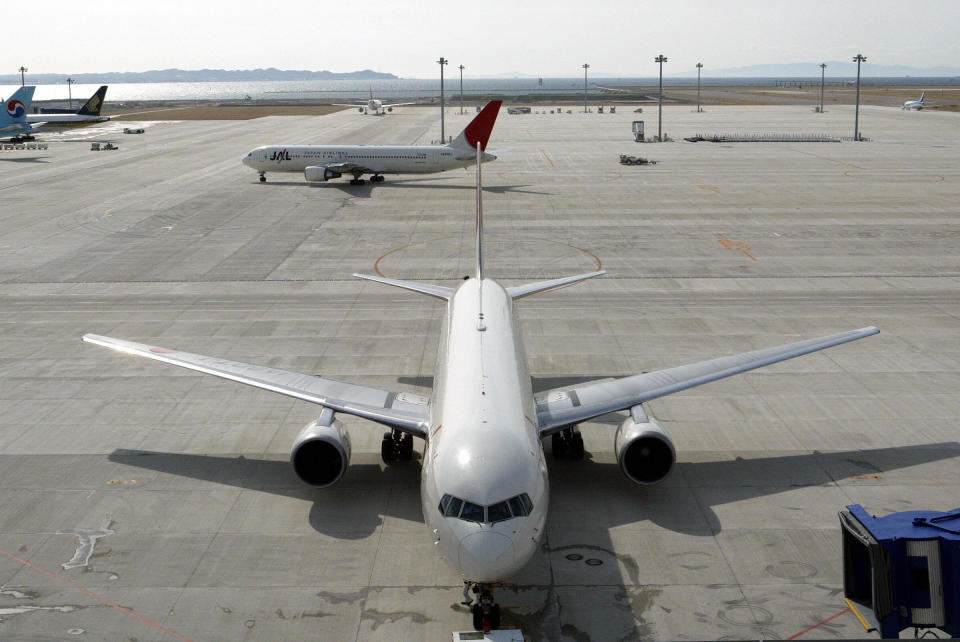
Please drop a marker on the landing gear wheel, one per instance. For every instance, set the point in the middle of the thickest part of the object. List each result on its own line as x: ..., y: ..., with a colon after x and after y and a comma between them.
x: 357, y: 181
x: 567, y: 444
x: 263, y: 179
x: 386, y: 448
x: 376, y: 179
x: 396, y: 446
x: 406, y: 448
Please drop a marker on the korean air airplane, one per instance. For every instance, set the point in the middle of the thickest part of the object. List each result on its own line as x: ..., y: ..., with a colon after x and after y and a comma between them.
x: 484, y: 488
x: 88, y: 114
x: 13, y: 117
x: 326, y: 162
x: 916, y: 104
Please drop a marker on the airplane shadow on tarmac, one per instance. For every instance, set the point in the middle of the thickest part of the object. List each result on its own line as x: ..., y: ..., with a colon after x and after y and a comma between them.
x: 366, y: 190
x: 683, y: 502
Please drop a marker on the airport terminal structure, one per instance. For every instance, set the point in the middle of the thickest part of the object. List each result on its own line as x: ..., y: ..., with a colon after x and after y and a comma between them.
x: 143, y: 501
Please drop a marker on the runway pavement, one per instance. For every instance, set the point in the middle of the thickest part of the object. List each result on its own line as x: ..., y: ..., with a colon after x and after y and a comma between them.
x: 140, y: 501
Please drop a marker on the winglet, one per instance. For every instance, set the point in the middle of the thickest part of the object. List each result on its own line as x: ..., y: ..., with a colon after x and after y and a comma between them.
x: 478, y: 131
x: 93, y: 106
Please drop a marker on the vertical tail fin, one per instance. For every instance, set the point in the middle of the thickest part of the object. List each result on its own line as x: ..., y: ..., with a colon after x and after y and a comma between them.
x: 16, y: 106
x: 479, y: 214
x: 93, y: 106
x: 477, y: 133
x: 922, y: 95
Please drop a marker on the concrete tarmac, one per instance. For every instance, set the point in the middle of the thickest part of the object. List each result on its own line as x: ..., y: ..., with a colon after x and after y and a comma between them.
x: 141, y: 501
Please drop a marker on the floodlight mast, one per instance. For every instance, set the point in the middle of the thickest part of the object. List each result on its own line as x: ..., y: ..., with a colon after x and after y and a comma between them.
x: 22, y: 71
x: 442, y: 62
x: 856, y: 114
x: 699, y: 67
x: 461, y: 88
x: 585, y: 67
x: 70, y: 82
x: 660, y: 59
x: 823, y: 71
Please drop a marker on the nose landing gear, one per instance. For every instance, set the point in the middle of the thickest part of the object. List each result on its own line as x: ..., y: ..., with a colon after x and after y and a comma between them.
x: 263, y: 177
x: 486, y: 612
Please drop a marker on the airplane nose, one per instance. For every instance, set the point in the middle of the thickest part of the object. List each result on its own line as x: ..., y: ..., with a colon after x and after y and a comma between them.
x: 485, y: 555
x: 246, y: 159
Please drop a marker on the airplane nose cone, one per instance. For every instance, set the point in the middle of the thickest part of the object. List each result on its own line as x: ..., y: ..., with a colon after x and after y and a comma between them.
x: 486, y: 556
x: 246, y: 159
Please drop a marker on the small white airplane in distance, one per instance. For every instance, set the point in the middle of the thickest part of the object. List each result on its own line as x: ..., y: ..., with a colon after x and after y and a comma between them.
x: 373, y: 106
x: 88, y: 114
x: 325, y: 162
x: 916, y: 104
x: 484, y: 487
x: 13, y: 117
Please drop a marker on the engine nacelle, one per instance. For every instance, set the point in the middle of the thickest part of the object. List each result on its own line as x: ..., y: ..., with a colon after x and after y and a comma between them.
x: 644, y: 450
x: 390, y: 109
x: 321, y: 452
x: 361, y: 110
x: 317, y: 173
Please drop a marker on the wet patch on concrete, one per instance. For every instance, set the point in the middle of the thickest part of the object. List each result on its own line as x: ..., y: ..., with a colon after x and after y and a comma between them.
x: 88, y: 539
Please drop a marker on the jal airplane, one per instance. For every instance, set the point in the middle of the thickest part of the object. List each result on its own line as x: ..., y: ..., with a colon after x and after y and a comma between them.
x: 373, y: 106
x: 13, y: 117
x: 484, y: 487
x: 916, y: 104
x: 88, y: 114
x: 325, y: 162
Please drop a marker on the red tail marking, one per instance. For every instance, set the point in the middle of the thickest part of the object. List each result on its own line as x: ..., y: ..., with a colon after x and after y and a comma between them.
x: 480, y: 127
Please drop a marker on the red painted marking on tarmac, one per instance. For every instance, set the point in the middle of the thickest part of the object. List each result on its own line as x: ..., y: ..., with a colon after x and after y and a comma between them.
x: 162, y: 351
x: 808, y: 629
x: 96, y: 597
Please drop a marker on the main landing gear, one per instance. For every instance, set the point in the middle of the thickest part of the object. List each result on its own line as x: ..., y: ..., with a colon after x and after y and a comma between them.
x: 486, y: 612
x: 376, y: 178
x: 396, y: 446
x: 567, y: 444
x: 357, y: 181
x: 263, y: 177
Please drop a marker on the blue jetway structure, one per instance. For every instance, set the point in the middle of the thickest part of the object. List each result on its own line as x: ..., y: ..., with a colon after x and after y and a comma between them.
x: 902, y: 570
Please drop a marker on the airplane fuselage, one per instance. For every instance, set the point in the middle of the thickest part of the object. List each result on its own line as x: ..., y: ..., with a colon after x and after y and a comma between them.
x: 386, y: 159
x: 65, y: 120
x: 483, y: 446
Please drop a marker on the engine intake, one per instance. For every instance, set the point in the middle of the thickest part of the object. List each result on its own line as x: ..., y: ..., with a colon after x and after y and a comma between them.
x: 319, y: 174
x: 644, y: 450
x: 321, y: 452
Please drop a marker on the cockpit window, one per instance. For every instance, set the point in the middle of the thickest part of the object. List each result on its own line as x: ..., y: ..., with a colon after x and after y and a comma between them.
x: 444, y: 501
x: 518, y: 506
x: 453, y: 508
x: 472, y: 512
x: 498, y: 512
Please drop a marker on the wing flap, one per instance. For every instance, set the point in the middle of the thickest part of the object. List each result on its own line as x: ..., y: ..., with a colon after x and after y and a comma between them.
x: 403, y: 410
x: 565, y: 406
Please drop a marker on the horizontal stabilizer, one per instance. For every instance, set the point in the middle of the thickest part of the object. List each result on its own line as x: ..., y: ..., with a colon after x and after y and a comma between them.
x: 521, y: 291
x: 439, y: 291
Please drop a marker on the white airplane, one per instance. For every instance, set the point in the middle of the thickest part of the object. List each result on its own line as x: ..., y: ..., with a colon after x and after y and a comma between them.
x: 88, y: 114
x: 13, y: 117
x: 484, y: 487
x: 373, y: 106
x: 916, y: 104
x: 324, y: 162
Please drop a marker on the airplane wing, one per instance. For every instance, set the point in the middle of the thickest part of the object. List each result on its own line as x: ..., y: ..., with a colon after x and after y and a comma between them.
x: 563, y: 407
x: 346, y: 168
x: 402, y: 410
x: 396, y: 104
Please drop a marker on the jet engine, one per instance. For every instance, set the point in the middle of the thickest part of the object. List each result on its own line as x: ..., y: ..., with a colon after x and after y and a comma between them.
x: 318, y: 173
x: 390, y: 109
x: 321, y: 452
x: 644, y: 450
x: 361, y: 110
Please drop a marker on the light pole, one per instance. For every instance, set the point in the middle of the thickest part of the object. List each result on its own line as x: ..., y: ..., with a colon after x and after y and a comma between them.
x: 70, y: 90
x: 442, y: 62
x: 660, y: 59
x: 823, y: 71
x: 699, y: 67
x: 461, y: 89
x: 22, y: 70
x: 585, y: 67
x: 856, y: 118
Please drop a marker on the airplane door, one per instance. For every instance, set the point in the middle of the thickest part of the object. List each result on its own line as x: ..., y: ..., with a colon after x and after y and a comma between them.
x: 433, y: 157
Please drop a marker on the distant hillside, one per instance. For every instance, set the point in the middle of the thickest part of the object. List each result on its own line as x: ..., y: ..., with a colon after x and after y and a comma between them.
x: 196, y: 75
x: 811, y: 69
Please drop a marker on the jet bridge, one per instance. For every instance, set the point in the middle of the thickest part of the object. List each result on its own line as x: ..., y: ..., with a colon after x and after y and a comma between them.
x: 902, y: 570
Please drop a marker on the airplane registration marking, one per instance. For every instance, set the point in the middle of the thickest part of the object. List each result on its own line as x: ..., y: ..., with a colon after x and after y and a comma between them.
x: 735, y: 246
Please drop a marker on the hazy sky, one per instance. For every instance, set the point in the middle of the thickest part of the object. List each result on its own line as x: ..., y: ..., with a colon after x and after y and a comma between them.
x: 552, y: 37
